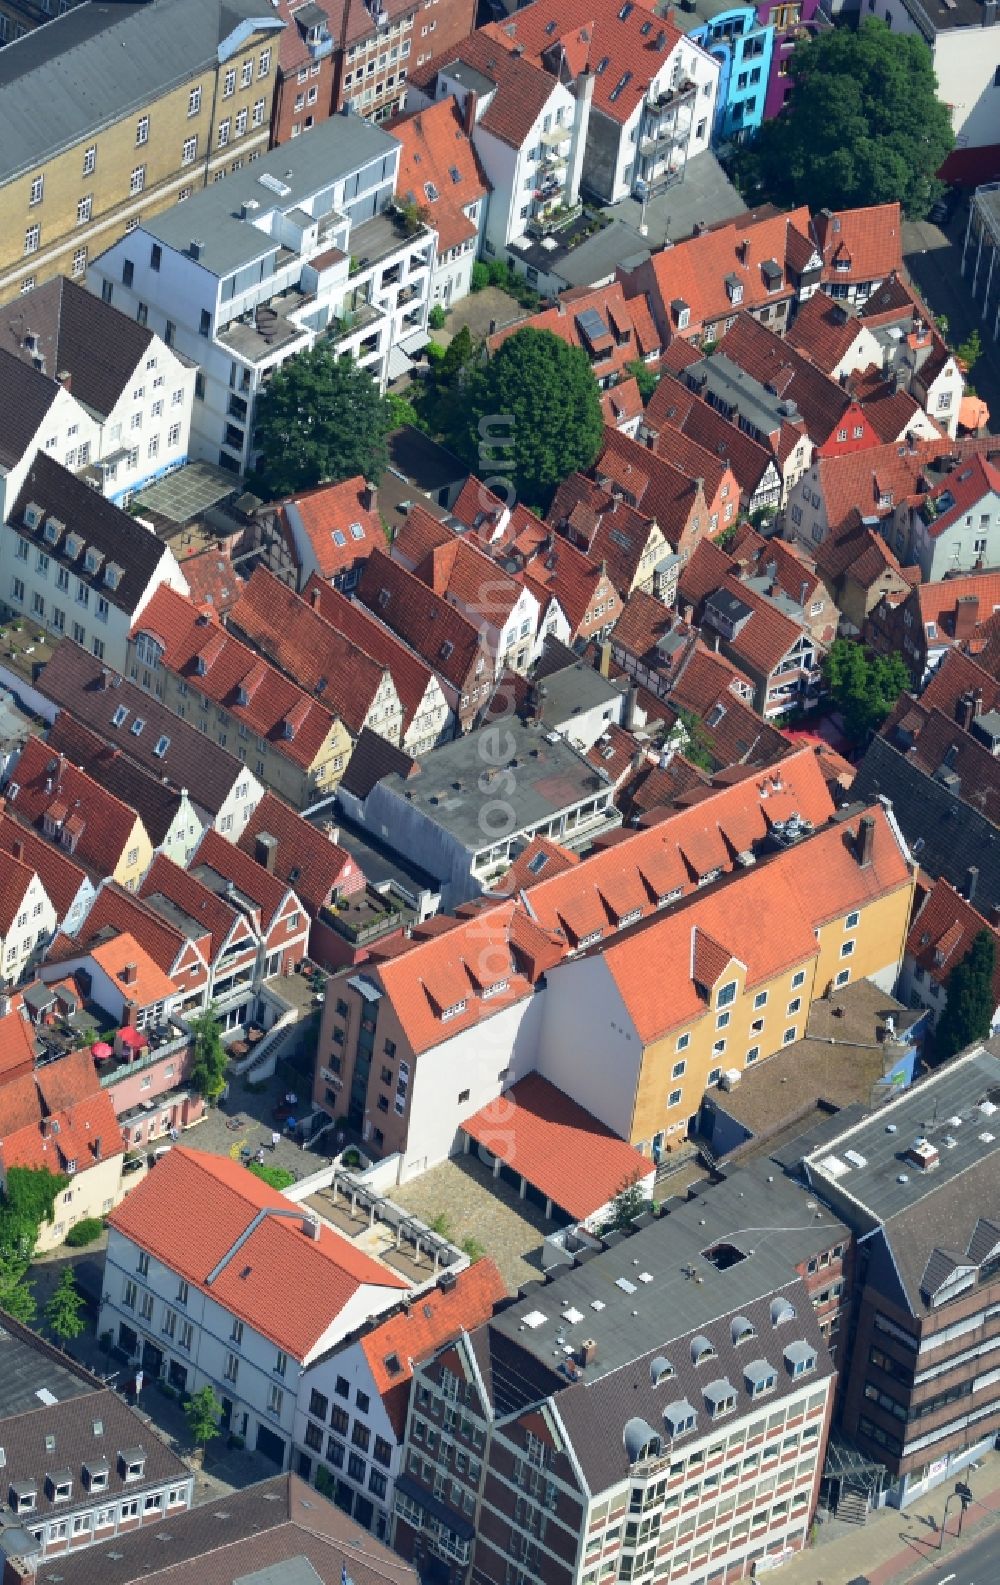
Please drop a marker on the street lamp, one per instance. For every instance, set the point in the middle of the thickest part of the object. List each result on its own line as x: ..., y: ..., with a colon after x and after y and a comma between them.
x: 964, y: 1494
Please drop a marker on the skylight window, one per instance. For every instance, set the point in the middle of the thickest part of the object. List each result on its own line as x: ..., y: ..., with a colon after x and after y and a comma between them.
x: 357, y: 532
x: 338, y: 537
x: 431, y: 192
x: 162, y: 744
x: 137, y: 726
x: 120, y: 716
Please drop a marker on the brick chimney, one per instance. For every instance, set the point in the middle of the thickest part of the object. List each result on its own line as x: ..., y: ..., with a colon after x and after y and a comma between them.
x: 17, y: 849
x: 966, y: 615
x: 866, y: 840
x: 369, y: 495
x: 265, y: 850
x: 129, y: 974
x: 469, y: 112
x: 65, y: 379
x: 314, y: 599
x: 965, y: 710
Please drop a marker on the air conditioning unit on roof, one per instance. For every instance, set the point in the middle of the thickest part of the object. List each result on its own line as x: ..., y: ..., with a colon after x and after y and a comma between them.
x: 730, y: 1079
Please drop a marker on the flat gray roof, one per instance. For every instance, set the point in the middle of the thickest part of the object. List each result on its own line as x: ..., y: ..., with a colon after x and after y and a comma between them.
x: 332, y: 150
x: 729, y: 383
x: 658, y: 1285
x: 957, y: 1110
x: 28, y: 1370
x: 453, y: 785
x: 575, y: 690
x: 87, y: 69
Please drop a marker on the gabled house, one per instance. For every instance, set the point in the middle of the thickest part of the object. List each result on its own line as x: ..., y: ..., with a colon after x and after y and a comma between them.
x: 167, y: 813
x: 427, y: 718
x: 328, y: 531
x: 912, y: 345
x: 505, y: 611
x: 674, y: 409
x: 271, y: 906
x: 932, y: 619
x: 859, y: 248
x: 944, y: 927
x: 652, y: 92
x: 860, y: 570
x: 130, y: 394
x: 448, y: 642
x: 67, y: 885
x: 527, y: 127
x: 627, y: 544
x: 292, y: 741
x: 775, y: 651
x: 58, y: 1118
x: 373, y: 1374
x: 201, y: 1259
x: 439, y: 171
x: 221, y: 788
x: 120, y: 977
x: 179, y: 952
x: 308, y: 858
x: 697, y: 287
x: 28, y: 919
x: 955, y: 528
x: 291, y: 633
x: 221, y: 931
x: 877, y: 484
x: 79, y: 565
x: 71, y: 809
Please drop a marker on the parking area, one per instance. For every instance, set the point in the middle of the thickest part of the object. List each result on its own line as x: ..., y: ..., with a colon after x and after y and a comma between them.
x: 933, y: 259
x: 461, y: 1199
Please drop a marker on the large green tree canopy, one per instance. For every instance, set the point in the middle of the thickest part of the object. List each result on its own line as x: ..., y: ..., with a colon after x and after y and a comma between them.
x: 863, y: 125
x: 531, y: 415
x: 321, y: 418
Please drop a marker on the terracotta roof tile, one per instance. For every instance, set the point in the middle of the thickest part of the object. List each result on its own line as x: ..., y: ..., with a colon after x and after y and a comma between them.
x: 325, y: 516
x: 609, y: 353
x: 48, y: 785
x: 411, y: 676
x: 197, y: 1210
x: 942, y: 934
x: 825, y: 330
x: 265, y: 891
x: 558, y: 1147
x: 155, y: 801
x: 523, y: 90
x: 304, y: 857
x: 71, y: 1097
x: 215, y: 664
x: 673, y: 407
x: 436, y: 151
x: 17, y: 1042
x: 166, y: 883
x: 446, y: 640
x: 413, y: 1334
x: 577, y: 35
x: 959, y: 492
x: 869, y: 242
x: 119, y: 956
x: 57, y: 872
x: 115, y: 912
x: 777, y: 365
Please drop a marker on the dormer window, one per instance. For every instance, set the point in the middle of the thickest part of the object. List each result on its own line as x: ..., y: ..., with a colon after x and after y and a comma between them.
x: 113, y: 574
x: 74, y: 545
x: 453, y: 1011
x: 32, y: 515
x: 132, y: 1463
x: 23, y: 1496
x: 53, y: 530
x: 842, y: 266
x: 92, y: 560
x: 96, y: 1475
x: 60, y: 1485
x: 495, y: 989
x: 734, y: 288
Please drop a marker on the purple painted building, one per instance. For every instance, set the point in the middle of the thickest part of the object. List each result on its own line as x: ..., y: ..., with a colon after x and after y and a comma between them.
x: 793, y: 21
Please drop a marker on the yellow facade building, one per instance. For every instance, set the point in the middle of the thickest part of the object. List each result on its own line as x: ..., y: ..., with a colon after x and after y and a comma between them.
x: 109, y: 114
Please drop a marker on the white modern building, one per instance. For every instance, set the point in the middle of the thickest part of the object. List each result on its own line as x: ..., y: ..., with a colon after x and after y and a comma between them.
x: 300, y: 246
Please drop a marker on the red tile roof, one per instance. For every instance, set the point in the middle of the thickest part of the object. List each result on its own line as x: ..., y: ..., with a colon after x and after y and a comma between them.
x: 119, y: 957
x: 209, y: 913
x: 578, y: 35
x: 65, y: 1092
x: 958, y: 674
x: 266, y: 892
x: 116, y: 912
x: 662, y: 489
x: 637, y: 869
x: 777, y: 365
x: 825, y: 330
x: 805, y: 886
x: 674, y: 407
x: 214, y: 663
x: 613, y: 531
x: 420, y: 618
x: 326, y: 515
x: 694, y: 272
x: 416, y: 1332
x: 859, y: 553
x: 17, y: 1042
x: 942, y: 934
x: 557, y: 1147
x: 864, y: 480
x: 621, y: 404
x: 963, y: 488
x: 626, y: 325
x: 411, y: 676
x: 97, y: 826
x: 15, y: 878
x: 57, y: 872
x: 523, y: 90
x: 767, y: 637
x: 435, y: 150
x: 542, y: 856
x: 191, y: 1213
x: 305, y: 857
x: 868, y: 241
x: 292, y: 633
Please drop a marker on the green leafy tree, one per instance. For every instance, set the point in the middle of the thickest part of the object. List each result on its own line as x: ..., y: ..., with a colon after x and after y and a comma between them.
x: 971, y: 350
x: 401, y: 410
x: 208, y: 1066
x: 436, y: 317
x: 863, y: 125
x: 864, y: 687
x: 480, y: 277
x: 16, y: 1297
x: 645, y: 378
x: 203, y: 1413
x: 64, y: 1311
x: 533, y: 413
x: 321, y: 418
x: 443, y: 403
x: 968, y: 1011
x: 627, y: 1204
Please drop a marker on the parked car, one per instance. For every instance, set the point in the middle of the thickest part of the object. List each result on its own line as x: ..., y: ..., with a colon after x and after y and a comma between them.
x: 942, y: 211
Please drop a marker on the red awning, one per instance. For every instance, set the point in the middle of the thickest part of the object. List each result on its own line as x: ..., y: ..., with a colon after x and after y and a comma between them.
x: 133, y: 1037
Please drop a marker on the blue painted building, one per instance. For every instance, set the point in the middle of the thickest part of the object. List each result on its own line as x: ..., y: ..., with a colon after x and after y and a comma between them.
x: 743, y: 46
